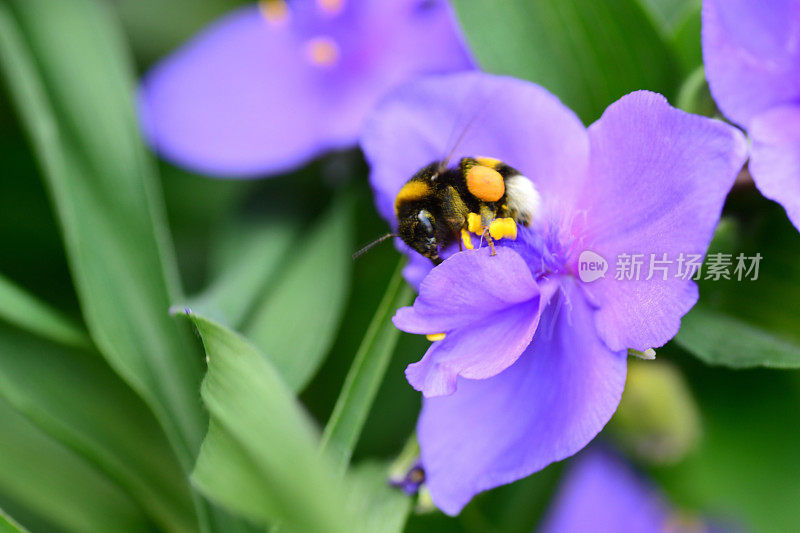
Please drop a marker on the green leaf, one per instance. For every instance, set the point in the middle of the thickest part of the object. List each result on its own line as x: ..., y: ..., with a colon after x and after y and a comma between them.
x: 9, y: 525
x: 75, y: 101
x: 749, y: 323
x: 378, y: 506
x: 49, y: 480
x: 366, y: 373
x: 24, y: 310
x: 686, y: 41
x: 244, y: 260
x: 261, y: 455
x: 694, y: 95
x: 297, y: 322
x: 669, y: 14
x: 719, y: 339
x: 97, y: 417
x: 588, y: 53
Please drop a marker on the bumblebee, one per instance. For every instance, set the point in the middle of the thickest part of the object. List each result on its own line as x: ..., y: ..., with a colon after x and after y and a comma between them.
x: 439, y: 206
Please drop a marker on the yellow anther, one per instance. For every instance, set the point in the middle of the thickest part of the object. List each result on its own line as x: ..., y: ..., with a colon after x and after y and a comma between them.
x: 474, y: 223
x: 466, y: 238
x: 503, y: 227
x: 275, y: 11
x: 323, y: 51
x: 331, y: 6
x: 433, y: 337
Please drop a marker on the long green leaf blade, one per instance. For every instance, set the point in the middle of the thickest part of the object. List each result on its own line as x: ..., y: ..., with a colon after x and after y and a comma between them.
x: 261, y: 440
x: 297, y: 323
x: 243, y: 263
x: 763, y: 313
x: 9, y: 525
x: 586, y: 52
x: 366, y: 373
x: 97, y: 417
x: 379, y: 507
x: 79, y: 116
x: 49, y: 480
x: 24, y: 310
x: 707, y: 334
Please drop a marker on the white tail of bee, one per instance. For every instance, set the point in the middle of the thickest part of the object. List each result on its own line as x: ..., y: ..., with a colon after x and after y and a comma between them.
x: 524, y: 200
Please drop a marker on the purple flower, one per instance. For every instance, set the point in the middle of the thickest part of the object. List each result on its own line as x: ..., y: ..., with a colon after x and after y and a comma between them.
x: 272, y: 85
x: 600, y: 492
x: 751, y: 50
x: 533, y: 361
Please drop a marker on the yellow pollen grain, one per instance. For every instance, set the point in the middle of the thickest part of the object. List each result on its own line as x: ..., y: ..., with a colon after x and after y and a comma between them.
x: 466, y: 239
x: 275, y: 11
x: 433, y: 337
x: 322, y: 51
x: 503, y: 227
x: 331, y: 6
x: 490, y: 162
x: 474, y: 223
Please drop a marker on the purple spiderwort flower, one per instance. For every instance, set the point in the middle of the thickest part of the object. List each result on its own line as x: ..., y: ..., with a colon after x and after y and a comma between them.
x: 533, y: 362
x: 751, y: 50
x: 600, y: 492
x: 270, y: 86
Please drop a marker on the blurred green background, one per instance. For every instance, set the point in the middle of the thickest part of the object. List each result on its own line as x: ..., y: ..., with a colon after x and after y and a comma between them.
x: 733, y: 429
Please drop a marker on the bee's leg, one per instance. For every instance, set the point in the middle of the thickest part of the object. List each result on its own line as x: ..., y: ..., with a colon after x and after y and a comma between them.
x: 487, y: 215
x: 489, y: 240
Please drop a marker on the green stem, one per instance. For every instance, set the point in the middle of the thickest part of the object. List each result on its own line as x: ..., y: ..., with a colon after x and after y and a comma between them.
x: 366, y: 373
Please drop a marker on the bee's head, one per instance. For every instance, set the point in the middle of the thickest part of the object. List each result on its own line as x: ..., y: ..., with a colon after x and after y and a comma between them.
x: 418, y: 230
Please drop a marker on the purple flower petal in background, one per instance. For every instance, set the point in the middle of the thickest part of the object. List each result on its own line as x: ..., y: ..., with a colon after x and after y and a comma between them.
x: 751, y: 50
x: 600, y: 492
x: 271, y: 86
x: 533, y: 361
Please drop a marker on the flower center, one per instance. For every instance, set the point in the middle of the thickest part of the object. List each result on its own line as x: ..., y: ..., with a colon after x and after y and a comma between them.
x: 275, y: 11
x: 322, y: 51
x: 332, y: 7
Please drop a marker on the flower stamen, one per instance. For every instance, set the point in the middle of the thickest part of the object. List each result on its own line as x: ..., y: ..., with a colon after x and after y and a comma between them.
x: 322, y: 51
x: 275, y: 11
x: 332, y: 7
x: 648, y: 354
x: 433, y: 337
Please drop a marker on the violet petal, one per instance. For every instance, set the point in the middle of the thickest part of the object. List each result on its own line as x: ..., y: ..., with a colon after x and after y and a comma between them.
x: 659, y: 179
x: 547, y: 406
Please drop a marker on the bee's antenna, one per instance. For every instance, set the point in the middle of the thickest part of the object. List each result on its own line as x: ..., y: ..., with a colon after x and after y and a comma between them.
x: 372, y: 244
x: 446, y: 161
x: 464, y: 130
